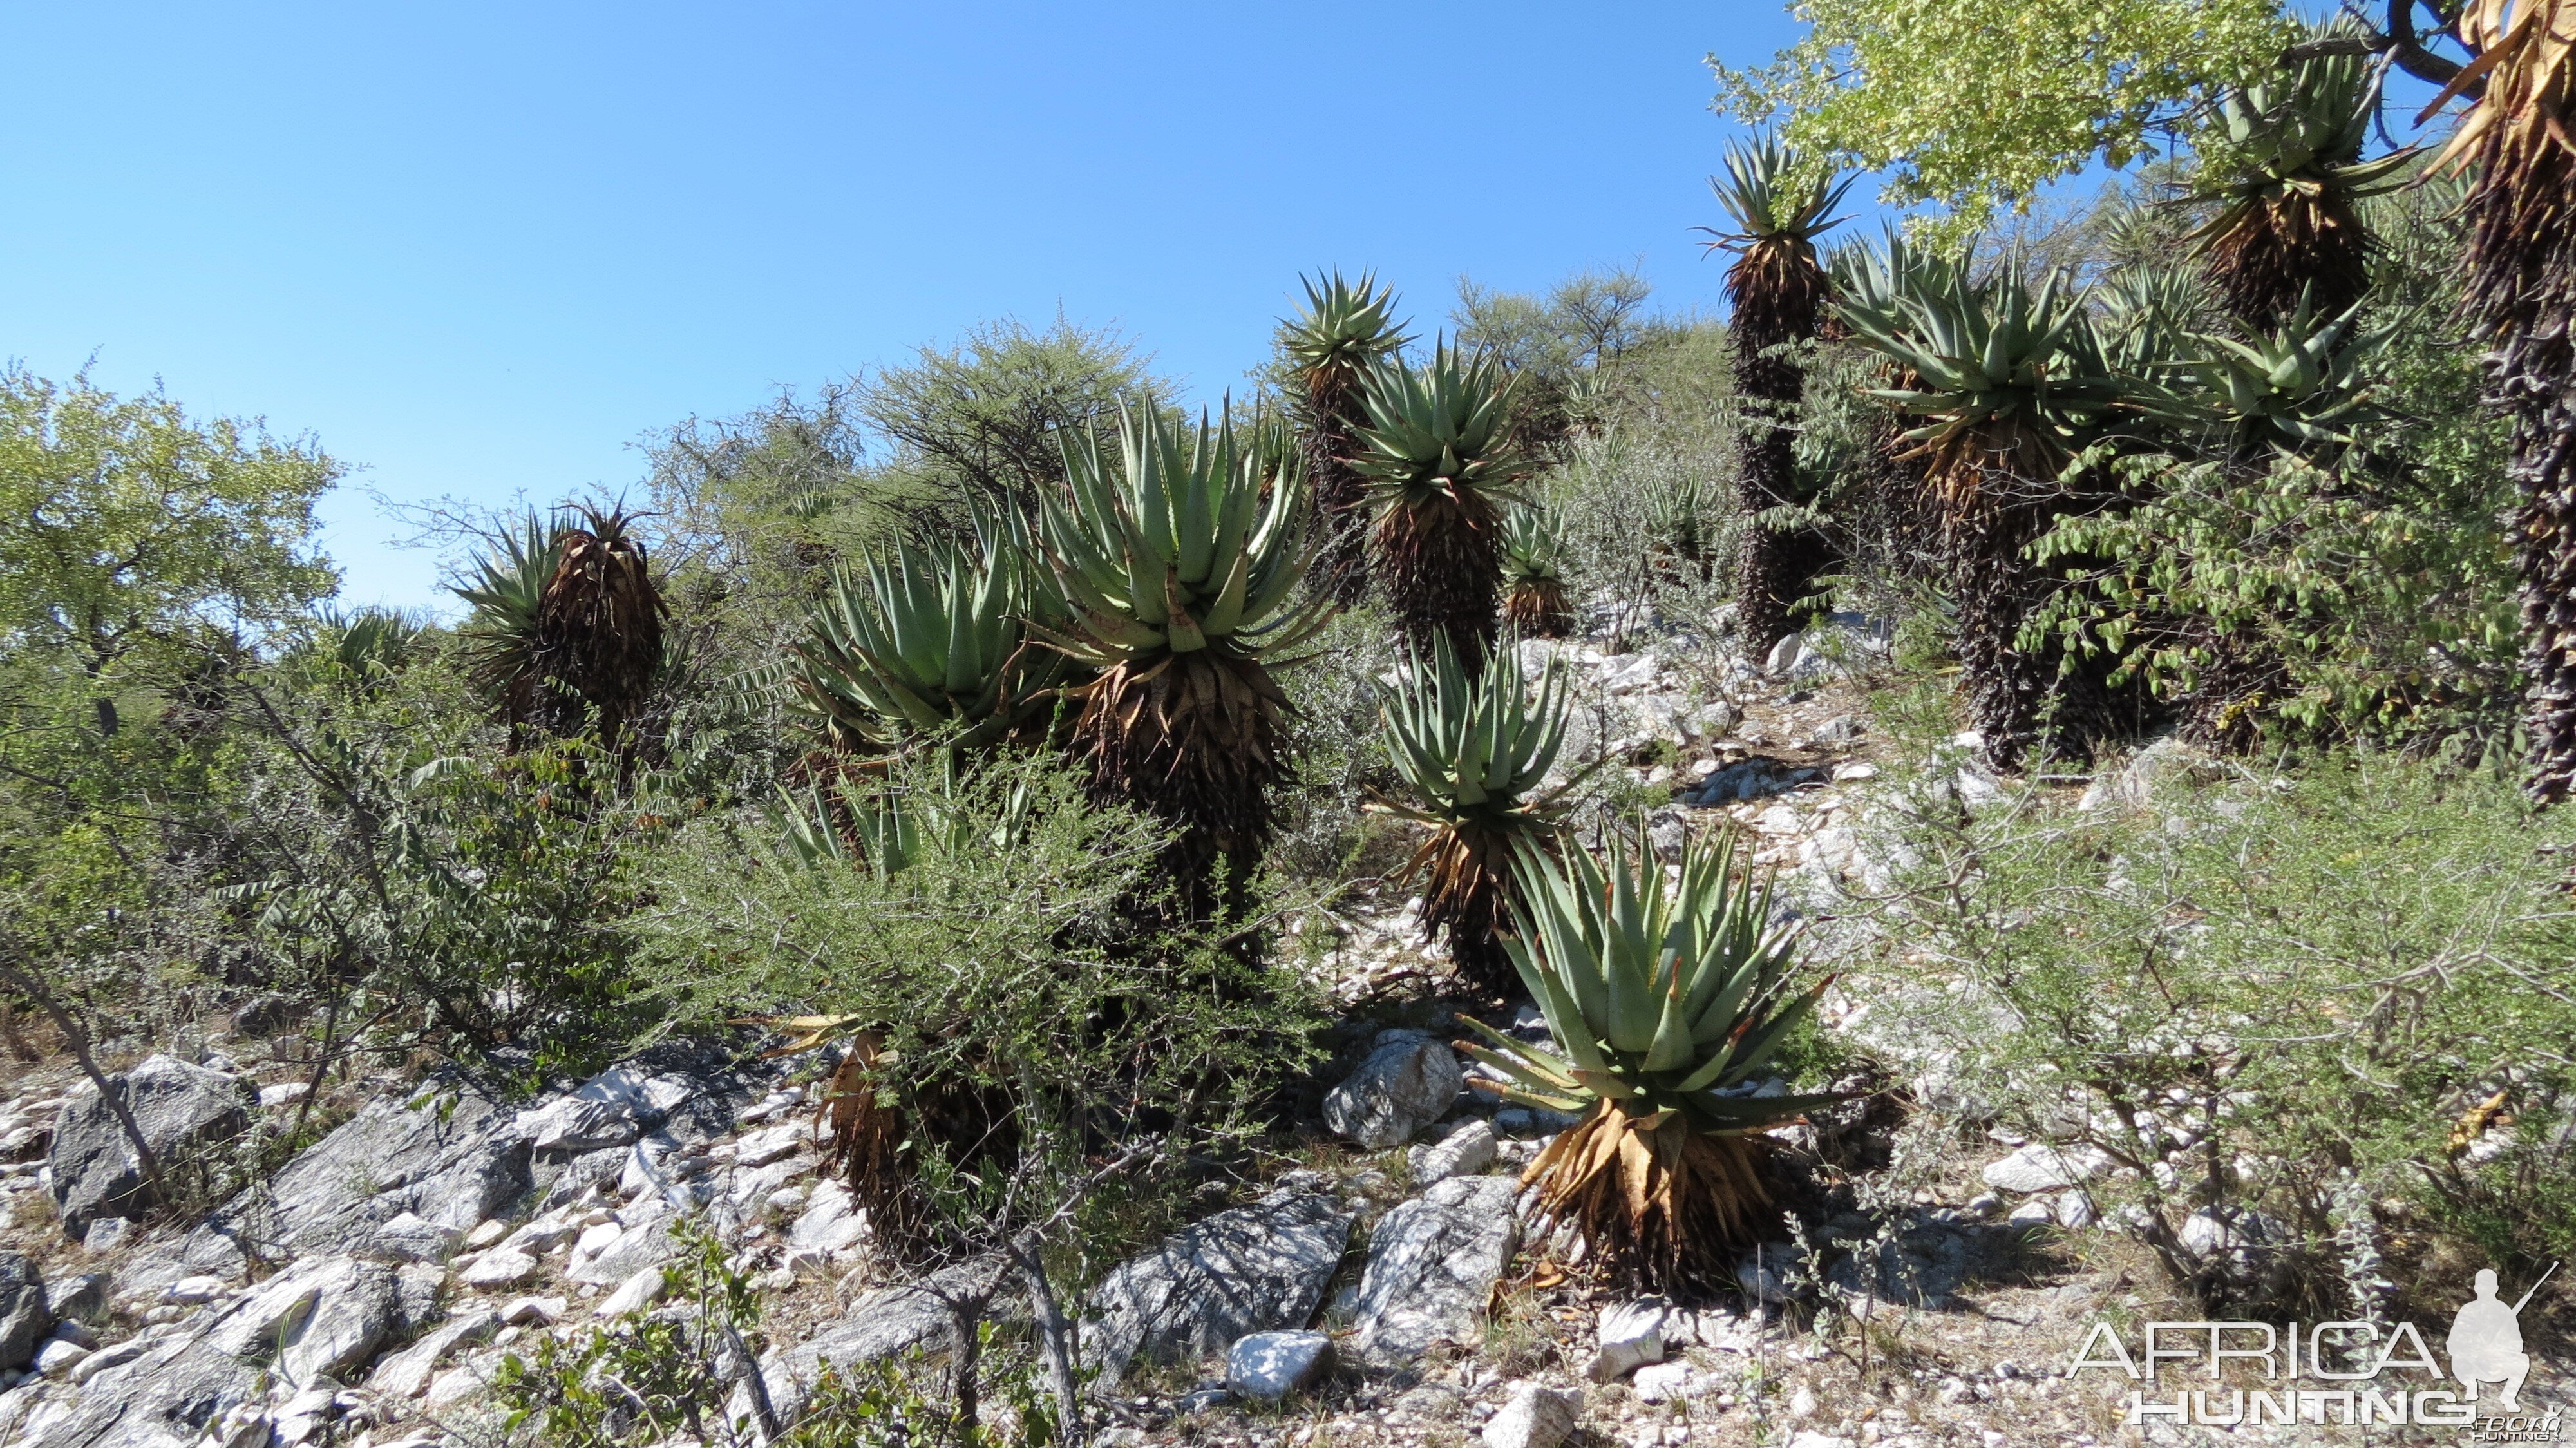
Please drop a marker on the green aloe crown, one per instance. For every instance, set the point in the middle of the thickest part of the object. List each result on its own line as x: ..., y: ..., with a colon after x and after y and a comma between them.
x: 2301, y: 383
x: 1441, y: 429
x: 1346, y: 329
x: 919, y: 640
x: 1533, y: 544
x: 1991, y: 361
x: 501, y: 631
x: 1663, y: 997
x: 1474, y: 751
x: 1188, y: 544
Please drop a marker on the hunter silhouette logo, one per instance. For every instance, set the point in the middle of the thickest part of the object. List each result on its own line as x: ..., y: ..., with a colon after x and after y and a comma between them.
x: 2486, y: 1340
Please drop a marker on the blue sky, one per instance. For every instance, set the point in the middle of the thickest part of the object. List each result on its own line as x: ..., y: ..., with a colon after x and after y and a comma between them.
x: 478, y: 251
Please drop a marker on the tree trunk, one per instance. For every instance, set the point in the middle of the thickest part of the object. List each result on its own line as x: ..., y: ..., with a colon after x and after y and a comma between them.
x: 1055, y: 1340
x: 2544, y: 469
x: 1775, y: 308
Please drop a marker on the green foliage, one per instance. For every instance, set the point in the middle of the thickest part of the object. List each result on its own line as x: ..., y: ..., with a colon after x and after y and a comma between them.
x: 1591, y: 319
x: 1648, y: 518
x: 1475, y: 751
x: 1973, y: 105
x: 127, y: 530
x: 982, y: 419
x: 381, y: 852
x: 925, y: 639
x: 2387, y: 598
x: 1661, y: 994
x: 1012, y: 977
x: 2372, y: 571
x: 2307, y: 980
x: 1181, y: 547
x: 144, y: 558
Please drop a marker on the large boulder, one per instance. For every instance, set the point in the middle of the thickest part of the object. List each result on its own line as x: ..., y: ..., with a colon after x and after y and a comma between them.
x: 166, y: 1398
x: 1406, y: 1082
x: 24, y: 1318
x: 1432, y: 1265
x: 1253, y: 1269
x: 320, y: 1318
x: 880, y: 1325
x: 446, y: 1158
x: 179, y: 1109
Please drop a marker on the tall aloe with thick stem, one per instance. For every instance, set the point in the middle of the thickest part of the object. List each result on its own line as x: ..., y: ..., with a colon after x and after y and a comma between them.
x: 1347, y: 329
x: 1440, y: 461
x: 1474, y: 753
x: 1779, y: 290
x: 1665, y: 998
x: 1180, y: 561
x: 2289, y: 168
x: 2009, y: 381
x: 2522, y: 282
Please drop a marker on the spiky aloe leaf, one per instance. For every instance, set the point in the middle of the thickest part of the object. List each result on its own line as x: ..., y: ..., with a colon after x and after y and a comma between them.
x: 1658, y: 992
x: 500, y: 632
x: 926, y: 640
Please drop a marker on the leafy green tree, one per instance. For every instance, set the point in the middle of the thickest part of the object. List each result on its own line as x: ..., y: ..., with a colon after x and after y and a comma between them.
x: 131, y: 538
x: 1976, y: 104
x: 980, y: 419
x: 143, y: 556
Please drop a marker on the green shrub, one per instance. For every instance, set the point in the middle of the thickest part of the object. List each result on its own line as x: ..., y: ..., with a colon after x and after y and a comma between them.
x: 2282, y: 993
x: 1017, y: 1014
x: 381, y: 853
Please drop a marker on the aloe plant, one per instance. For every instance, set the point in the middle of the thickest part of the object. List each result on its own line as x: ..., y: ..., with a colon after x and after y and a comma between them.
x: 1347, y: 329
x: 1533, y: 551
x: 500, y: 631
x: 2009, y: 381
x: 1667, y: 1002
x: 922, y: 641
x: 1474, y: 753
x: 1777, y: 206
x: 1180, y: 560
x: 2288, y: 168
x: 2301, y: 384
x: 1441, y: 463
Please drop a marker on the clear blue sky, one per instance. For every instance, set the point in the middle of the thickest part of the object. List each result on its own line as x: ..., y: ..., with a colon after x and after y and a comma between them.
x: 479, y: 250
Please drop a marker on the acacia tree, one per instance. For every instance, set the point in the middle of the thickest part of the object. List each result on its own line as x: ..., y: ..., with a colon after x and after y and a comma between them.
x: 131, y: 537
x: 142, y: 554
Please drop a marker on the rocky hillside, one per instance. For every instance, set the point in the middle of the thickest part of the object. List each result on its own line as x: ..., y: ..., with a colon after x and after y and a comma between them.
x: 1379, y: 1282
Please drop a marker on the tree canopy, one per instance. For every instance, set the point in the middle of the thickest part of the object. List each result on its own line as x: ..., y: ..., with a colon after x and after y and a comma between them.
x: 1971, y: 105
x: 123, y: 523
